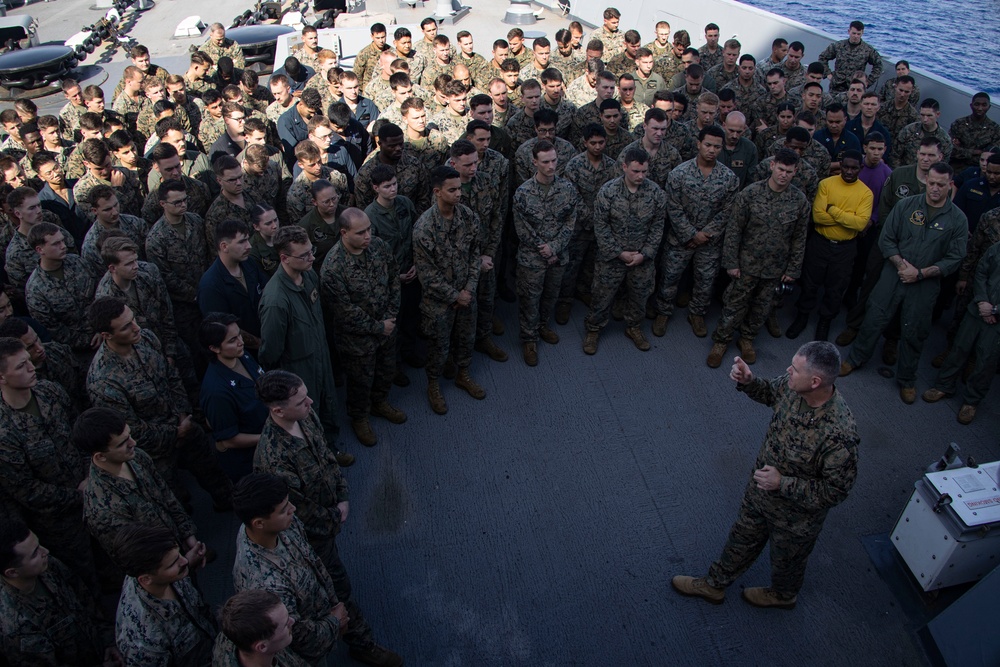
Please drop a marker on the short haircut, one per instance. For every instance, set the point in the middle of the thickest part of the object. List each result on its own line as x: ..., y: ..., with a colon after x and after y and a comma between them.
x: 797, y: 46
x: 245, y: 617
x: 796, y: 133
x: 41, y: 231
x: 779, y: 42
x: 227, y: 230
x: 461, y: 148
x: 94, y: 428
x: 8, y: 348
x: 711, y: 131
x: 339, y: 114
x: 654, y: 114
x: 541, y: 43
x: 139, y: 549
x: 836, y: 107
x: 19, y: 195
x: 746, y: 57
x: 224, y: 163
x: 930, y: 103
x: 382, y: 173
x: 858, y: 25
x: 319, y: 185
x: 42, y: 158
x: 119, y: 139
x: 286, y: 236
x: 389, y: 131
x: 257, y: 495
x: 14, y: 327
x: 852, y: 154
x: 173, y: 185
x: 94, y: 151
x: 634, y: 154
x: 100, y: 193
x: 115, y: 241
x: 312, y: 99
x: 591, y: 130
x: 822, y: 358
x: 786, y: 156
x: 541, y: 147
x: 482, y: 99
x: 610, y: 103
x: 906, y: 78
x: 874, y: 136
x: 306, y: 150
x: 546, y: 117
x: 807, y: 117
x: 441, y: 174
x: 377, y: 29
x: 401, y: 33
x: 551, y: 74
x: 943, y: 168
x: 103, y: 310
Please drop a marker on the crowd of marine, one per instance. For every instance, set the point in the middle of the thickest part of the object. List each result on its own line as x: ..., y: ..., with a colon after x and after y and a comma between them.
x: 193, y: 263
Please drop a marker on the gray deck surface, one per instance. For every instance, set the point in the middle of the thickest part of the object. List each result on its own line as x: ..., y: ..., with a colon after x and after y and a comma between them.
x: 542, y: 525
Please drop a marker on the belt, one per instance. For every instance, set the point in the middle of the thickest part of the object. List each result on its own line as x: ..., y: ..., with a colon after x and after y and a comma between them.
x: 831, y: 241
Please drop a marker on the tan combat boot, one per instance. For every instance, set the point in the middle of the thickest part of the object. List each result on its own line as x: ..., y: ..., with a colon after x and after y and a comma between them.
x: 660, y: 326
x: 773, y: 327
x: 846, y: 337
x: 562, y: 312
x: 435, y: 397
x: 530, y: 353
x: 698, y: 325
x: 747, y: 352
x: 464, y: 381
x: 716, y: 354
x: 490, y: 349
x: 388, y: 411
x: 768, y: 598
x: 590, y: 342
x: 548, y: 335
x: 698, y: 587
x: 363, y: 431
x: 635, y: 335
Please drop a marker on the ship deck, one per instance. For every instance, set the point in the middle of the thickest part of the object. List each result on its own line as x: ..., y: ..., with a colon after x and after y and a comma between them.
x: 542, y: 525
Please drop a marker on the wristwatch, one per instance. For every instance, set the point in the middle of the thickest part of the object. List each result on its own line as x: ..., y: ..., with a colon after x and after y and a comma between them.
x: 920, y: 275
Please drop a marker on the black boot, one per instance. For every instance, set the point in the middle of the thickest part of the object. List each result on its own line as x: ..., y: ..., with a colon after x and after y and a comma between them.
x: 798, y: 325
x: 822, y: 329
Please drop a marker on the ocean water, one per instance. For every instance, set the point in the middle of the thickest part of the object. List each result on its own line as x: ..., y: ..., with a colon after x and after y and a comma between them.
x: 958, y: 40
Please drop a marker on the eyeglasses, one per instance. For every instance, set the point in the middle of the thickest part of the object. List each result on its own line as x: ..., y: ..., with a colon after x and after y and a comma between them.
x: 177, y: 202
x: 238, y: 119
x: 307, y: 256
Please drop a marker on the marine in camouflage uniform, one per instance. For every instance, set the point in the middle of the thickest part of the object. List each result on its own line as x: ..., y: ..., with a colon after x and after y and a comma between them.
x: 155, y: 631
x: 662, y: 164
x: 907, y: 142
x: 695, y: 203
x: 135, y: 228
x: 521, y: 127
x: 58, y: 623
x: 487, y: 196
x: 20, y: 259
x: 194, y: 165
x: 621, y: 64
x: 111, y: 502
x: 295, y: 573
x: 525, y: 168
x: 129, y: 109
x: 69, y: 118
x: 450, y: 125
x: 63, y: 368
x: 228, y: 48
x: 225, y: 654
x: 971, y: 136
x: 58, y: 300
x: 306, y: 57
x: 362, y: 291
x: 614, y: 42
x: 896, y: 119
x: 805, y: 178
x: 315, y: 486
x: 431, y: 148
x: 150, y: 303
x: 300, y: 201
x: 182, y: 256
x: 615, y: 143
x: 270, y: 186
x: 850, y: 58
x: 566, y: 112
x: 223, y: 209
x: 815, y: 450
x: 543, y: 214
x: 42, y: 473
x: 129, y: 193
x: 366, y: 63
x: 145, y: 123
x: 446, y: 254
x: 147, y: 391
x: 635, y: 115
x: 815, y: 154
x: 410, y: 175
x: 625, y: 221
x: 765, y: 240
x: 199, y: 199
x: 588, y: 181
x: 579, y: 91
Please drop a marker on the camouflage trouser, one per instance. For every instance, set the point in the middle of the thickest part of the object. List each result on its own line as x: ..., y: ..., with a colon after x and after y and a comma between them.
x: 746, y: 304
x: 448, y: 330
x: 358, y: 633
x: 917, y: 303
x: 974, y: 336
x: 369, y: 376
x: 537, y: 290
x: 608, y: 277
x: 707, y: 259
x: 579, y: 275
x: 486, y: 294
x: 792, y: 538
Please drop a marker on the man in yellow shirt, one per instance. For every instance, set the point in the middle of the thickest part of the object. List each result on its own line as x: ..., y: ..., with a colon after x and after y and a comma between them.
x: 842, y: 209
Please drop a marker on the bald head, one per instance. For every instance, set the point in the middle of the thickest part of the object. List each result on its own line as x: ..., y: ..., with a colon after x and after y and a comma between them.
x: 735, y: 126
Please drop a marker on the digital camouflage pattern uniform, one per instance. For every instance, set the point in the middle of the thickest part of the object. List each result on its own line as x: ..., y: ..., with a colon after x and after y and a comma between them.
x: 161, y: 633
x: 129, y: 194
x: 134, y: 227
x: 816, y: 452
x: 694, y: 203
x: 579, y: 91
x: 199, y: 199
x: 805, y: 178
x: 765, y: 239
x: 971, y: 135
x: 362, y: 291
x: 20, y: 259
x: 149, y: 301
x: 661, y: 164
x: 300, y: 201
x: 228, y: 48
x: 62, y: 367
x: 225, y: 654
x: 614, y: 42
x: 850, y: 58
x: 294, y: 572
x: 621, y: 64
x: 42, y: 472
x: 543, y: 214
x: 815, y: 154
x: 450, y: 125
x: 614, y: 144
x: 145, y: 123
x: 410, y: 175
x: 58, y: 300
x: 223, y: 209
x: 588, y: 181
x: 366, y: 63
x: 129, y: 108
x: 521, y: 127
x: 907, y: 142
x: 446, y: 254
x: 111, y: 502
x: 271, y: 186
x: 148, y: 393
x: 431, y: 148
x: 624, y: 220
x: 525, y: 166
x: 896, y: 119
x: 57, y: 624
